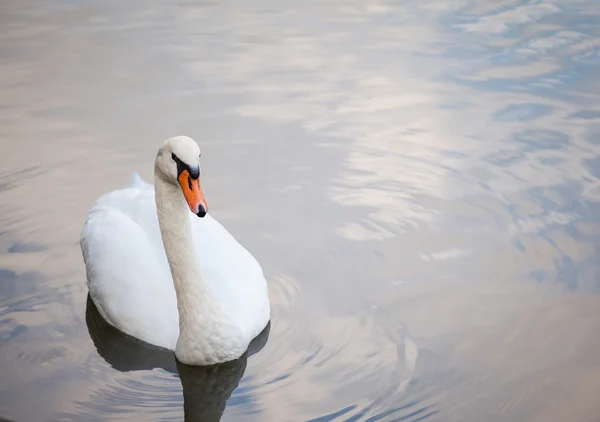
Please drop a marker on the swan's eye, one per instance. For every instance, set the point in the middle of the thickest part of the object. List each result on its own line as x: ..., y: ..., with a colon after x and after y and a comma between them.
x: 173, y: 156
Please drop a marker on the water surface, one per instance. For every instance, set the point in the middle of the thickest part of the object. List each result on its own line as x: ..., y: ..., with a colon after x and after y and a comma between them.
x: 419, y: 180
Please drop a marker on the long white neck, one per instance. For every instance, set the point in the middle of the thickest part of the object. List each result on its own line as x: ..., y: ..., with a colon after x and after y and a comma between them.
x: 200, y: 317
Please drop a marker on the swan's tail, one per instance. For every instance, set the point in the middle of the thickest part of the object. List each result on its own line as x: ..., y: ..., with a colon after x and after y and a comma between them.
x: 137, y: 182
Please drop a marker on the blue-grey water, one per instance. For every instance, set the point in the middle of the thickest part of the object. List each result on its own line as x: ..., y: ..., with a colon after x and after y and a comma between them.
x: 419, y: 180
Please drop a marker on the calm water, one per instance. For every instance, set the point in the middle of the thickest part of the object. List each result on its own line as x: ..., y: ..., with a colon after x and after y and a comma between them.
x: 419, y: 180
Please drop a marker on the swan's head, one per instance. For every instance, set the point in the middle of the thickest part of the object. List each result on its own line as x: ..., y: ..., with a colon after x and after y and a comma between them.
x: 178, y: 162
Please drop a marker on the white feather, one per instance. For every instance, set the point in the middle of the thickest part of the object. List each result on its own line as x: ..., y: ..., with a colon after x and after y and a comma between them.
x: 130, y: 280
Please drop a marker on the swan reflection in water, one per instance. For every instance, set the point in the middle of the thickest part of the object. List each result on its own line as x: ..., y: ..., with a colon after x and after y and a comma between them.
x: 206, y: 389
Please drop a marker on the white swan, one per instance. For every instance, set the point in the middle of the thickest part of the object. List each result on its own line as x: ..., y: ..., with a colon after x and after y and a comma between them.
x: 206, y: 297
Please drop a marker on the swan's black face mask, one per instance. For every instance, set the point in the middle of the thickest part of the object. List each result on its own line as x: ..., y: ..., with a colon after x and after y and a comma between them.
x: 189, y: 181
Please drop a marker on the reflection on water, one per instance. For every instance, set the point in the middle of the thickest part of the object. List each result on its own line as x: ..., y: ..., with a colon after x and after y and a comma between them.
x: 419, y: 180
x: 206, y: 389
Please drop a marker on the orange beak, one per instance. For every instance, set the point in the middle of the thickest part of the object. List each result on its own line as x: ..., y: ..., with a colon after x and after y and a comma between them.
x: 193, y: 193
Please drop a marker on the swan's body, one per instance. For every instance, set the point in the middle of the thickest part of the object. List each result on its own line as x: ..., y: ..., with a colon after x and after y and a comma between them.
x: 161, y: 274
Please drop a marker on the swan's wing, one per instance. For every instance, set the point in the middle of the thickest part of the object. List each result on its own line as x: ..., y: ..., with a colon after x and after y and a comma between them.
x: 235, y: 276
x: 128, y: 274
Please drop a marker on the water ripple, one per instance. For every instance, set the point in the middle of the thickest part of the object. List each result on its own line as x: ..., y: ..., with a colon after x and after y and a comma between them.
x: 361, y: 151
